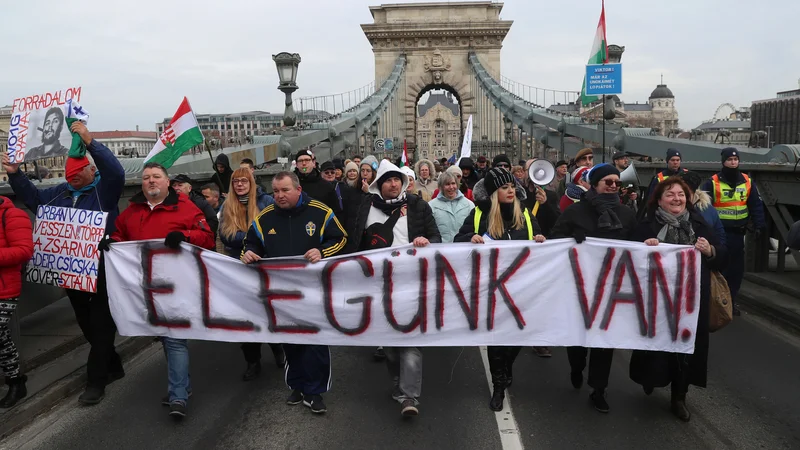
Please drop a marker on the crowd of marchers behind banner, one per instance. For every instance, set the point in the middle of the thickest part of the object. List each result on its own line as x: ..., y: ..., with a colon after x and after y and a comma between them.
x: 363, y: 204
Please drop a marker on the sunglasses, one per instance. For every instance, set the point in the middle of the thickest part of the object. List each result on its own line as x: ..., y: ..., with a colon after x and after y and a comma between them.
x: 610, y: 183
x: 587, y: 157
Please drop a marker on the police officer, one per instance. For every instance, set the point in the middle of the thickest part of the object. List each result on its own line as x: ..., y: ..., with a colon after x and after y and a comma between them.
x: 737, y: 201
x: 673, y: 168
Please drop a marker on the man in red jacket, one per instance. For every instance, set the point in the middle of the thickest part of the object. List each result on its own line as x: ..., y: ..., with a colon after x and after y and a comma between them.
x: 158, y: 212
x: 16, y: 248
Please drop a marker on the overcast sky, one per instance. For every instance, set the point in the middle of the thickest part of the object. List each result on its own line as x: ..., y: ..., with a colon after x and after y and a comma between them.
x: 136, y: 60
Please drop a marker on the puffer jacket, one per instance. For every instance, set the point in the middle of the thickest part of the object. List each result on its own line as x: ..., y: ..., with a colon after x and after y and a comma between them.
x: 702, y: 202
x: 430, y: 185
x: 234, y: 244
x: 450, y: 214
x: 16, y: 247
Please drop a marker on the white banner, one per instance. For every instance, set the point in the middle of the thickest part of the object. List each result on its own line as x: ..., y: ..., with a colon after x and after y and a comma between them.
x: 65, y: 247
x: 466, y: 146
x: 601, y: 293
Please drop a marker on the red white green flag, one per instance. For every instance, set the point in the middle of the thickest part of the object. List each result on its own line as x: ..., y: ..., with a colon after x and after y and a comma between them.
x: 599, y: 54
x: 180, y: 136
x: 404, y: 156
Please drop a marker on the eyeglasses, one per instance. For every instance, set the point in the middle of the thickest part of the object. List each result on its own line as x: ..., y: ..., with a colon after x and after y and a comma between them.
x: 610, y: 183
x: 241, y: 181
x: 304, y: 160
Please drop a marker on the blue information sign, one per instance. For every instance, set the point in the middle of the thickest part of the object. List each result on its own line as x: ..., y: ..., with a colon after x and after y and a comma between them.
x: 388, y: 145
x: 603, y: 79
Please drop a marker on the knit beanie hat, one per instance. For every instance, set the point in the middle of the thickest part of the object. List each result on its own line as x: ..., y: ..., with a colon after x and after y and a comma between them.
x: 672, y: 152
x: 495, y: 178
x: 304, y: 152
x: 74, y: 166
x: 350, y: 166
x: 601, y: 171
x: 728, y: 152
x: 578, y: 173
x: 501, y: 158
x: 370, y: 161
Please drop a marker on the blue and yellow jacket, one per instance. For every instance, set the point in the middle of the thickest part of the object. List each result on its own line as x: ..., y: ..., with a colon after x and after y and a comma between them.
x: 292, y: 232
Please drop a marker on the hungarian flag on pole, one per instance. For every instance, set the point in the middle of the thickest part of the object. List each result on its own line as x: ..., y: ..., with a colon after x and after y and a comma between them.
x: 181, y: 134
x: 599, y: 54
x: 404, y: 156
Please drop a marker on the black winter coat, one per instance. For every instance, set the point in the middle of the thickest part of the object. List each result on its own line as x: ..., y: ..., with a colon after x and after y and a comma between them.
x: 510, y: 234
x: 548, y: 213
x: 208, y: 211
x: 317, y: 188
x: 657, y: 369
x: 580, y: 220
x: 420, y: 222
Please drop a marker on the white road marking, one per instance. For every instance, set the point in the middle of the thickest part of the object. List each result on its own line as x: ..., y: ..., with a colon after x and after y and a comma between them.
x: 506, y: 424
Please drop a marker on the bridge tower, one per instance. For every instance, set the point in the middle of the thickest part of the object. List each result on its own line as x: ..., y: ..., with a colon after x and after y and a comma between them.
x: 436, y: 39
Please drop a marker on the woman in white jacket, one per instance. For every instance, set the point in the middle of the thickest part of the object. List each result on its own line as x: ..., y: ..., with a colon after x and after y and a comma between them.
x: 450, y: 207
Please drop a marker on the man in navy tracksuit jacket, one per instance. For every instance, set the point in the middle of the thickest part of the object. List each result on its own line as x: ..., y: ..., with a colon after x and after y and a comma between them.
x: 298, y: 225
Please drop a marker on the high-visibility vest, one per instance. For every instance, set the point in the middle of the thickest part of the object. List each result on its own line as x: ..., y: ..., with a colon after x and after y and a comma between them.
x: 731, y: 204
x: 661, y: 177
x: 479, y: 213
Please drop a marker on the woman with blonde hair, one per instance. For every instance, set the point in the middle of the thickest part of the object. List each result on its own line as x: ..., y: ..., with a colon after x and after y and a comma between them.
x: 243, y: 204
x: 499, y: 215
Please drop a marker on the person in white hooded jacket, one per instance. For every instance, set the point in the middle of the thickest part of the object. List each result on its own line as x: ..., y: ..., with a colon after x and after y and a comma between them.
x: 450, y: 207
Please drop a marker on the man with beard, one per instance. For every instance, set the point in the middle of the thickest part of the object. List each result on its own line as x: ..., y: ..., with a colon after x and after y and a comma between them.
x: 312, y: 182
x: 673, y: 168
x: 51, y: 130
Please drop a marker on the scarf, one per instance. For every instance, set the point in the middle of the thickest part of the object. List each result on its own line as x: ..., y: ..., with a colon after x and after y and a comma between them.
x: 731, y: 175
x: 387, y: 206
x: 675, y: 229
x: 243, y: 199
x: 574, y: 191
x: 87, y: 188
x: 605, y: 204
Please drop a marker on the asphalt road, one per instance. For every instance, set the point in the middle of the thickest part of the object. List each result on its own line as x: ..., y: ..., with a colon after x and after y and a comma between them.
x: 751, y: 402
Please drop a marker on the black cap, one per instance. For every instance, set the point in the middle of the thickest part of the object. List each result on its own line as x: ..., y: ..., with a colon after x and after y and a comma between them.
x: 561, y: 162
x: 728, y: 152
x: 327, y: 165
x: 672, y: 152
x: 181, y: 178
x: 619, y: 155
x: 303, y: 152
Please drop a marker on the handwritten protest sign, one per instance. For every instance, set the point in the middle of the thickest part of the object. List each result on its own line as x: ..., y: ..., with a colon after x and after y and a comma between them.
x: 601, y: 293
x: 38, y: 129
x: 65, y: 247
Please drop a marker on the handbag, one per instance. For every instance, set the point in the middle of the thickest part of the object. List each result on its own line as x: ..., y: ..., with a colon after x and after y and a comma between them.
x: 720, y: 304
x: 381, y: 235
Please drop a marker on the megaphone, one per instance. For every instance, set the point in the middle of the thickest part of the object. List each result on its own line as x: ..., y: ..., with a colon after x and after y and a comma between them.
x: 542, y: 172
x: 629, y: 176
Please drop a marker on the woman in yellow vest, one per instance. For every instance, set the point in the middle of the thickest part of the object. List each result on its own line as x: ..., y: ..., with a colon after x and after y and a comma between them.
x: 499, y: 215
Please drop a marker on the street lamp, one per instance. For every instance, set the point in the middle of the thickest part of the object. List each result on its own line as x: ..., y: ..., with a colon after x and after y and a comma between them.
x: 507, y: 124
x: 287, y: 74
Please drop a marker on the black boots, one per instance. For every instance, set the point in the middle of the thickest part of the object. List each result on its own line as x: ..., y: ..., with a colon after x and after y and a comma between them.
x: 679, y: 406
x: 498, y: 395
x: 16, y: 391
x: 252, y: 372
x: 280, y: 356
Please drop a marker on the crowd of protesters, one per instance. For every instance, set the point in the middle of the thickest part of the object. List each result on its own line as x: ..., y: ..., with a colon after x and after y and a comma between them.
x: 366, y: 204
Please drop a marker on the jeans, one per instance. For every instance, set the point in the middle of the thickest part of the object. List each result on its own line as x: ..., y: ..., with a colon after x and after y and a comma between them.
x: 179, y: 384
x: 405, y: 368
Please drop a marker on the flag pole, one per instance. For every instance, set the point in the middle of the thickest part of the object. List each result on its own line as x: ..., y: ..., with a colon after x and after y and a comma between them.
x: 604, y: 128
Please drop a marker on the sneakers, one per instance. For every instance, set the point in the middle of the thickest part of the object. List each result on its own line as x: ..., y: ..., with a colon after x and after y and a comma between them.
x: 598, y: 399
x: 409, y: 408
x: 252, y: 372
x: 577, y: 379
x: 177, y: 410
x: 165, y: 399
x: 542, y: 352
x: 379, y: 354
x: 295, y: 398
x: 315, y: 403
x: 92, y: 395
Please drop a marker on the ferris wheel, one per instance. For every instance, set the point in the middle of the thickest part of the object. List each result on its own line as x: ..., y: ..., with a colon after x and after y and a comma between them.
x: 725, y: 111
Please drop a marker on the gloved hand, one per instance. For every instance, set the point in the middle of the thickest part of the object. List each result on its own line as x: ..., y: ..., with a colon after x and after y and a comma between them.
x: 580, y: 236
x: 105, y: 244
x: 174, y: 239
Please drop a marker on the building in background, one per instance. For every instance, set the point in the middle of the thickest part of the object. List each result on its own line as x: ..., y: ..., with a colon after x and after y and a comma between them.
x: 779, y: 117
x: 438, y: 126
x: 127, y: 144
x: 726, y: 131
x: 5, y: 122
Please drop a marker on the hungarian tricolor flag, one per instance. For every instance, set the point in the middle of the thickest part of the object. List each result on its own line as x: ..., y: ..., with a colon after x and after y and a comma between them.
x: 181, y: 134
x: 404, y: 156
x: 599, y: 54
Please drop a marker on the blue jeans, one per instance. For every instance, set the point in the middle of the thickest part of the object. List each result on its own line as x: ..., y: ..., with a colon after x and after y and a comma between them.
x: 178, y: 381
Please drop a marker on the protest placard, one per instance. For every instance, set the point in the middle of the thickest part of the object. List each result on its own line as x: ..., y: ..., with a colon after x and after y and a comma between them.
x: 37, y: 128
x: 601, y: 293
x: 65, y: 247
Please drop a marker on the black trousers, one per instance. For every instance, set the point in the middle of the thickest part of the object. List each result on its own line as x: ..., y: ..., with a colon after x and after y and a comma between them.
x: 501, y: 362
x: 98, y: 327
x: 599, y: 364
x: 252, y: 351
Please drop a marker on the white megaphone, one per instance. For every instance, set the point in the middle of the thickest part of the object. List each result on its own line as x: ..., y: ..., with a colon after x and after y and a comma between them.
x: 541, y: 172
x: 629, y: 176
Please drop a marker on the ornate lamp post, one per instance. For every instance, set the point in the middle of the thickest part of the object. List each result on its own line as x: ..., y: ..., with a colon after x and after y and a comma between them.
x: 287, y: 74
x: 507, y: 125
